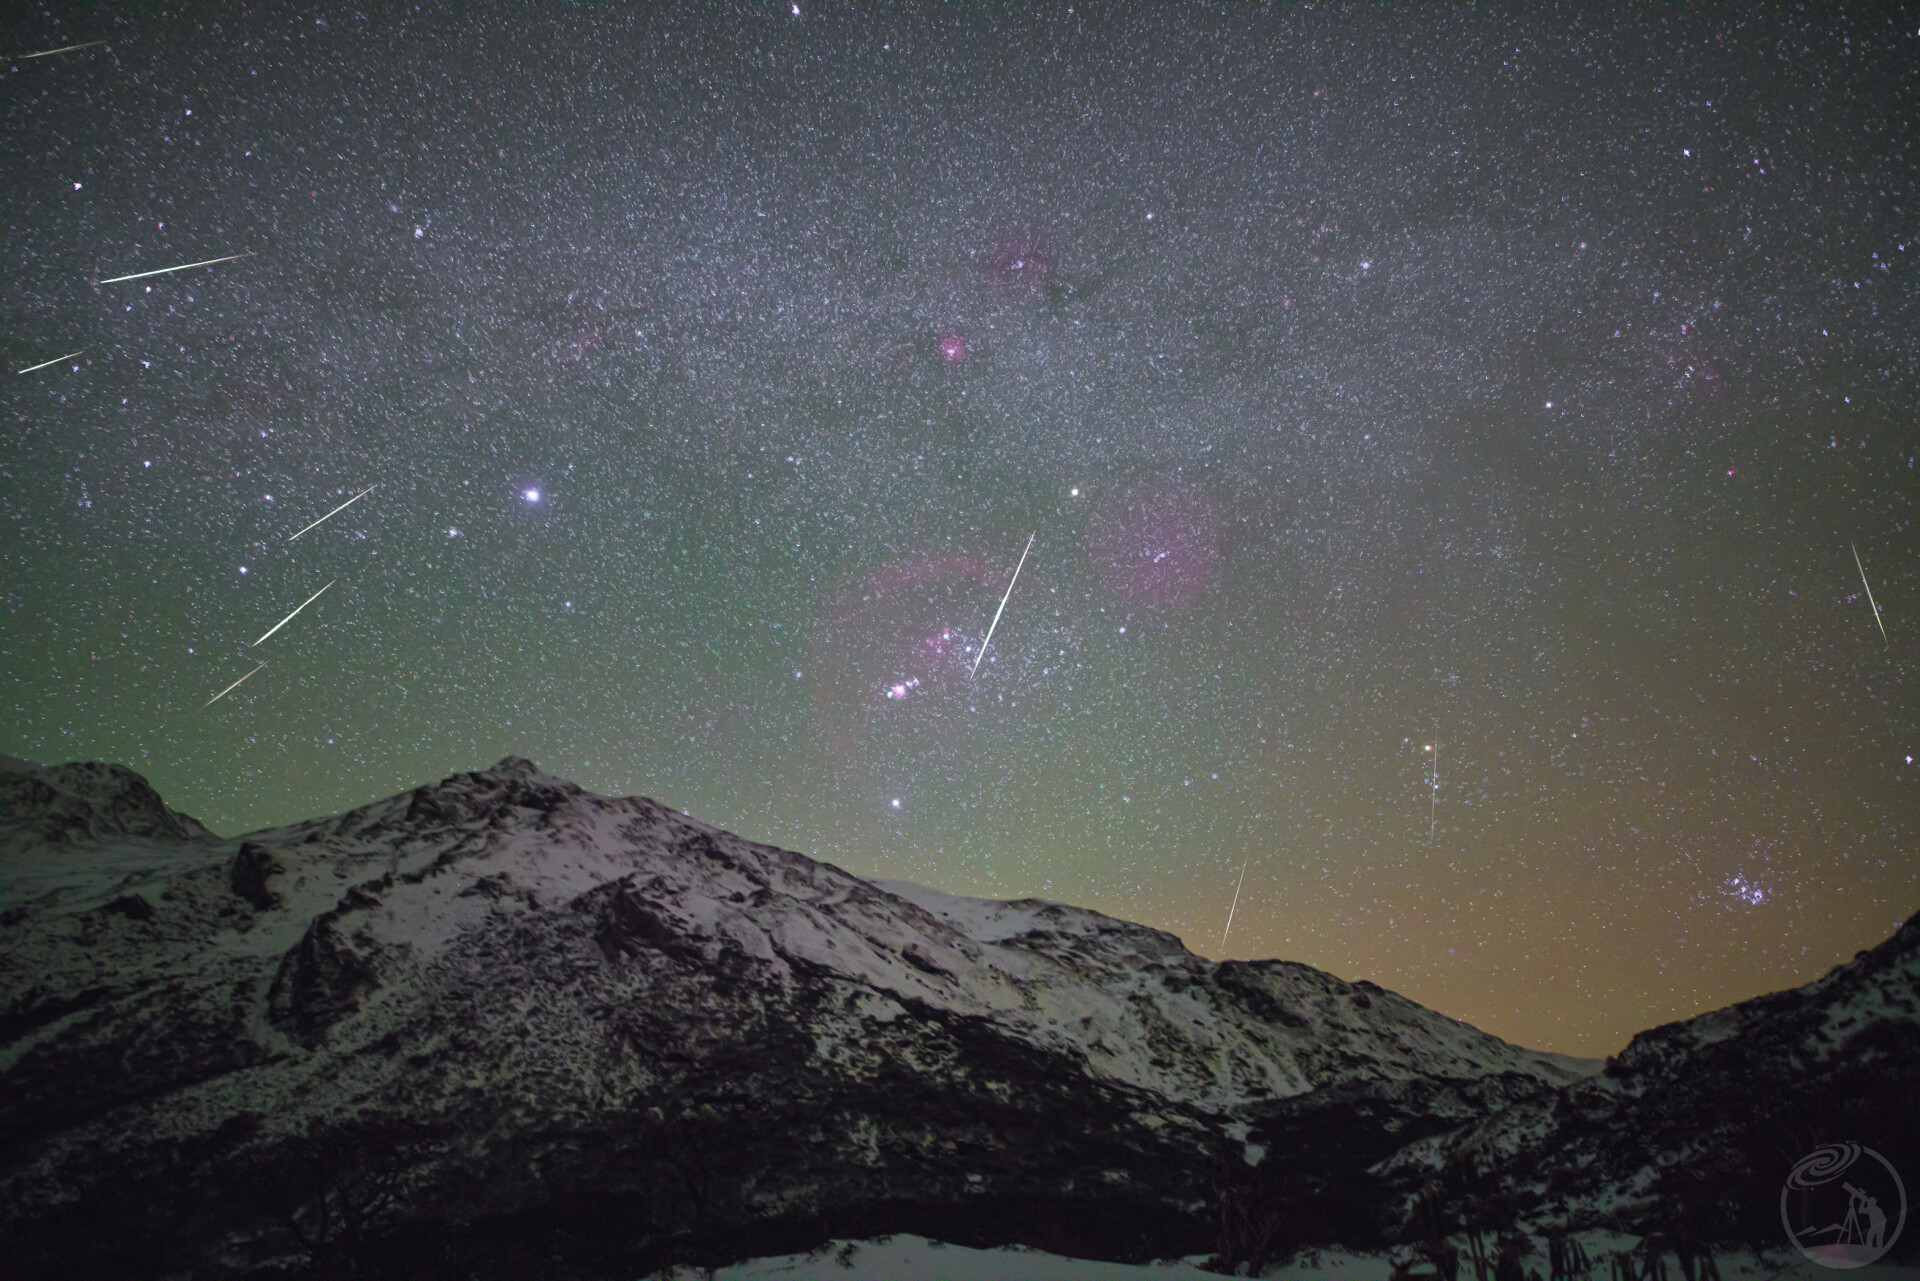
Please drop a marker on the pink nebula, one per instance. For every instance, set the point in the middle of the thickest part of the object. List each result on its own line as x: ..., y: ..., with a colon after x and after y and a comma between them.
x: 1021, y: 258
x: 1155, y: 542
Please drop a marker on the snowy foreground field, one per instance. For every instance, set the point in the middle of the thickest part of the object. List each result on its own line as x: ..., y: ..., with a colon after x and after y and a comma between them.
x: 911, y: 1258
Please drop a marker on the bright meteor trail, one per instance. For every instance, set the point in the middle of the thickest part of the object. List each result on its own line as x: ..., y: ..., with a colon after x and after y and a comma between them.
x: 43, y: 364
x: 236, y: 685
x: 1236, y: 903
x: 1003, y: 606
x: 1863, y: 582
x: 65, y: 48
x: 336, y: 511
x: 161, y: 271
x: 289, y: 618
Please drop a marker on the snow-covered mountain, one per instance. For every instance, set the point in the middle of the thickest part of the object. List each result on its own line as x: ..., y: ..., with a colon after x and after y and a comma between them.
x: 500, y: 1018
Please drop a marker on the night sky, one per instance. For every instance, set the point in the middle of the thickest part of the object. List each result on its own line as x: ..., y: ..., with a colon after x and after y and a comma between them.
x: 1441, y: 432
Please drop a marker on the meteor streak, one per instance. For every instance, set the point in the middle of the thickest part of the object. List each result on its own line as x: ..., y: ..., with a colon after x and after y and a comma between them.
x: 336, y: 511
x: 1433, y: 798
x: 1003, y: 606
x: 65, y: 48
x: 289, y: 618
x: 43, y: 364
x: 1236, y: 903
x: 229, y: 689
x: 1863, y: 582
x: 140, y: 275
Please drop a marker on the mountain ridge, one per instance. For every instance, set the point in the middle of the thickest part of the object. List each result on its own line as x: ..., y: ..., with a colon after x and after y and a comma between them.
x: 499, y: 998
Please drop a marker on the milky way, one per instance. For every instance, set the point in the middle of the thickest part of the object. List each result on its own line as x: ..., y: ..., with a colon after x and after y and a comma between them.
x: 1374, y: 386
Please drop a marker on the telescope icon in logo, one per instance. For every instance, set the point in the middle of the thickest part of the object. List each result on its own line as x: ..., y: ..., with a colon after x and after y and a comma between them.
x: 1843, y: 1205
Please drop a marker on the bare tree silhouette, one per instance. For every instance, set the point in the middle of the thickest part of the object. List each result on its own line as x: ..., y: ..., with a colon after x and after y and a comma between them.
x: 332, y: 1191
x: 1247, y: 1215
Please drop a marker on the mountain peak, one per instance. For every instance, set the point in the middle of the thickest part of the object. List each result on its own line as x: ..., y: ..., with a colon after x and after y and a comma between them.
x: 84, y: 801
x: 521, y: 767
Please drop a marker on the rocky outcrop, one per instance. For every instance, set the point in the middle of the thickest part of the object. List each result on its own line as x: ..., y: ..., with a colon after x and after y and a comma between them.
x: 251, y: 874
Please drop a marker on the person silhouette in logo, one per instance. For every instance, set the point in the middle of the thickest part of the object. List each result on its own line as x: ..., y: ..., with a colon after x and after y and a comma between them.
x: 1859, y: 1203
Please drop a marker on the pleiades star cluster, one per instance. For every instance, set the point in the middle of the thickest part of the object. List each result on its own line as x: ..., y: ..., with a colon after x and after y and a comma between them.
x: 1451, y: 448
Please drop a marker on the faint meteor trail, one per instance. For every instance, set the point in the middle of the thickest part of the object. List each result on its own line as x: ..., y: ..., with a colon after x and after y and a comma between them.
x: 336, y: 511
x: 289, y: 618
x: 229, y: 689
x: 1236, y: 903
x: 141, y: 275
x: 1003, y: 606
x: 65, y: 48
x: 1863, y: 582
x: 43, y: 364
x: 1433, y: 806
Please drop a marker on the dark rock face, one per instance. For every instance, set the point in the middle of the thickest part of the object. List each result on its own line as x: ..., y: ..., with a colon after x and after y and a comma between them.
x: 323, y: 979
x: 499, y: 1023
x: 250, y: 874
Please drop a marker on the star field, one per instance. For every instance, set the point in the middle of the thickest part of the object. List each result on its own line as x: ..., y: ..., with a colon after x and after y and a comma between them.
x: 1444, y: 435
